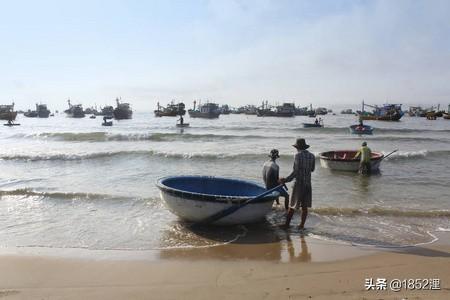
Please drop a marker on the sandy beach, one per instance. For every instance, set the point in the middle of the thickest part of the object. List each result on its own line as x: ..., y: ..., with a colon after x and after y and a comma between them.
x: 316, y: 270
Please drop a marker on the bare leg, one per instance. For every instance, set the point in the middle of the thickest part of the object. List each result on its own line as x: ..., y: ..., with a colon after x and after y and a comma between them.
x: 289, y: 217
x: 286, y: 202
x: 304, y: 216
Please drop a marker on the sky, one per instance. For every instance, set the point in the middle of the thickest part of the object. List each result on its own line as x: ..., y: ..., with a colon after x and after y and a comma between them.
x: 328, y: 53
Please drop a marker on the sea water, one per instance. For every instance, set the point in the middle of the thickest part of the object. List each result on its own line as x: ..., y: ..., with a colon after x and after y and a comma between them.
x: 72, y: 183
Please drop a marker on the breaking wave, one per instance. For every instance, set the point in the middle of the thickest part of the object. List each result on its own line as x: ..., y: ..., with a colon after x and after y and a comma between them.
x: 157, y: 137
x: 378, y: 211
x: 399, y: 156
x: 59, y: 195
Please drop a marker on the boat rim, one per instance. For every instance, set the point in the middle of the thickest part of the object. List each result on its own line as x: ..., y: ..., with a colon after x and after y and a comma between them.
x: 322, y: 156
x: 211, y: 197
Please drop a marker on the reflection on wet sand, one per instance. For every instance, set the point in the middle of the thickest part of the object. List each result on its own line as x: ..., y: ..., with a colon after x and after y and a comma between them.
x: 254, y: 242
x: 296, y: 249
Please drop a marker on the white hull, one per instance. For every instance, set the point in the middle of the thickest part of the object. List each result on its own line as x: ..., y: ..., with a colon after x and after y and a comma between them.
x: 350, y: 166
x: 198, y: 210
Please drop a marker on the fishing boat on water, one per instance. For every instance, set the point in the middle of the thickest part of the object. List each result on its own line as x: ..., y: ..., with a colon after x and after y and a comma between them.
x: 317, y: 124
x: 347, y: 111
x: 105, y: 111
x: 197, y: 198
x: 285, y: 110
x: 7, y: 112
x: 225, y: 110
x: 207, y: 111
x: 343, y: 160
x: 301, y: 111
x: 75, y: 111
x: 387, y: 112
x: 122, y: 111
x: 172, y: 110
x: 41, y: 112
x: 361, y: 129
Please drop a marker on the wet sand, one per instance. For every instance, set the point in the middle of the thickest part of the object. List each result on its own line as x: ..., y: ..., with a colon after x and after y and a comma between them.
x: 306, y: 268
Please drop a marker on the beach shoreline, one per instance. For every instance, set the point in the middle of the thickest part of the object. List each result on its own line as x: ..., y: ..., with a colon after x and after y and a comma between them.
x: 225, y: 273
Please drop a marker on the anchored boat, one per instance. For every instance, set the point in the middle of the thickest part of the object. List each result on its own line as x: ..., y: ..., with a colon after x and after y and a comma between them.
x: 122, y: 111
x: 75, y: 111
x: 343, y: 160
x: 172, y: 110
x: 197, y: 198
x: 207, y: 111
x: 387, y: 112
x: 7, y: 112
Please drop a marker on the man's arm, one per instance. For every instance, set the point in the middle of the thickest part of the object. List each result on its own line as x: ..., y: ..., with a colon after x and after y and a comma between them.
x: 357, y: 154
x: 294, y: 171
x: 313, y: 164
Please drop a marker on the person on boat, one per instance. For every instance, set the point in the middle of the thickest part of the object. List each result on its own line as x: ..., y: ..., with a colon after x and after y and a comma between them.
x: 270, y: 175
x: 316, y: 122
x: 304, y: 164
x: 181, y: 120
x: 364, y: 163
x: 360, y: 125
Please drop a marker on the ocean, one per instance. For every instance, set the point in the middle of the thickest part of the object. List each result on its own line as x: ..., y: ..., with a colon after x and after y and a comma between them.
x: 72, y: 183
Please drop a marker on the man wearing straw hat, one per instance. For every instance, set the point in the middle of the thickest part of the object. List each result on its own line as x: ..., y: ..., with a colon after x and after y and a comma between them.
x: 304, y: 164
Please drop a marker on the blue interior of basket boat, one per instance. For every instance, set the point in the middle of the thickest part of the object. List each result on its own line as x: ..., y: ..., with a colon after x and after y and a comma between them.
x: 212, y: 185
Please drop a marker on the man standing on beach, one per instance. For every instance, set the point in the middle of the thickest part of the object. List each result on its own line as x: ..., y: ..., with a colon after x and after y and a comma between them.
x: 271, y: 175
x: 364, y: 164
x: 304, y: 164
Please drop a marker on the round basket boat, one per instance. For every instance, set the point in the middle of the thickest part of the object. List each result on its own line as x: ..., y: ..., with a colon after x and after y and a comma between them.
x: 357, y: 129
x: 344, y: 160
x: 195, y: 198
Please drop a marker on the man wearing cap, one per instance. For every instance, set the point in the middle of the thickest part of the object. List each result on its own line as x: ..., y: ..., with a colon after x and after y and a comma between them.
x: 364, y: 163
x: 304, y: 164
x: 271, y: 173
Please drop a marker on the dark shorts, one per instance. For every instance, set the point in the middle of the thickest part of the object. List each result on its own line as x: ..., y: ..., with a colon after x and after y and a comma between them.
x: 365, y: 168
x: 301, y: 196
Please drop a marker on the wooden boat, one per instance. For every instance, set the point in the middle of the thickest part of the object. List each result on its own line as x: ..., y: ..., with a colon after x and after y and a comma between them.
x: 207, y: 111
x: 11, y: 124
x: 343, y: 160
x: 183, y: 125
x: 172, y: 110
x: 7, y: 112
x: 387, y: 112
x: 196, y: 198
x: 447, y: 116
x: 122, y: 111
x: 109, y: 123
x: 311, y: 125
x: 358, y: 129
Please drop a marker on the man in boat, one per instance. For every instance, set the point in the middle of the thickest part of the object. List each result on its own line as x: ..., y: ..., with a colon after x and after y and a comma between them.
x: 181, y: 120
x: 304, y: 164
x: 270, y: 174
x: 364, y: 163
x: 360, y: 125
x: 316, y: 122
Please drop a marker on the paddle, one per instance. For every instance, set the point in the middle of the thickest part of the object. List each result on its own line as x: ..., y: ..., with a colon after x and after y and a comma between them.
x: 389, y: 154
x: 228, y: 211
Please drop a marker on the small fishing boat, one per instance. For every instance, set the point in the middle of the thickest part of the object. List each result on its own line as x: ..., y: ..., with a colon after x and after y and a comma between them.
x: 311, y: 125
x: 358, y: 129
x: 11, y: 124
x: 92, y: 117
x: 197, y: 198
x: 108, y: 123
x: 343, y: 160
x: 183, y: 125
